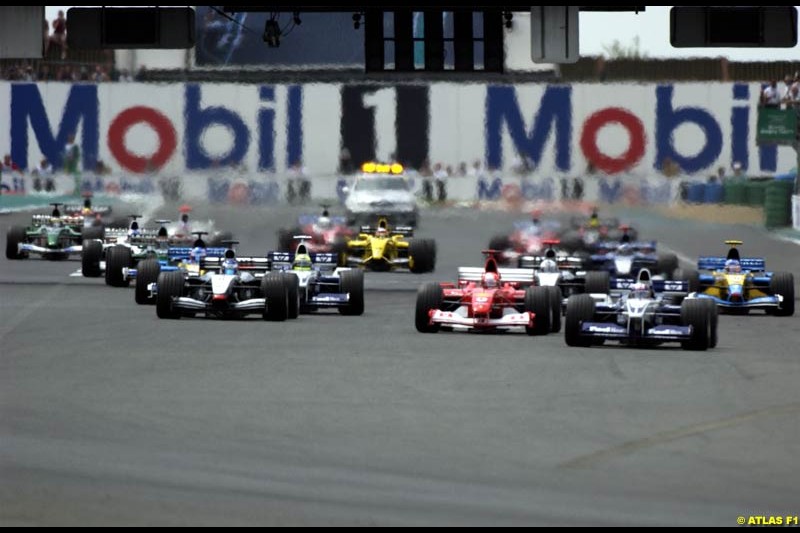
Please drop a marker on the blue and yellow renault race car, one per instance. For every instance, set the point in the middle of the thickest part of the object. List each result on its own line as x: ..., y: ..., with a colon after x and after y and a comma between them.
x: 739, y: 284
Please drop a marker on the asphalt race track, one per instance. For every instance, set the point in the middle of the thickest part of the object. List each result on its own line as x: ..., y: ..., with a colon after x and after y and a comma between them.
x: 110, y: 416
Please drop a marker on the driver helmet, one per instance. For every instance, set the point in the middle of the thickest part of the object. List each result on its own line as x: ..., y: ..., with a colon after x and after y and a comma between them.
x: 382, y: 232
x: 324, y: 223
x: 302, y: 262
x: 733, y: 266
x: 625, y: 249
x: 134, y: 231
x: 641, y: 290
x: 490, y: 280
x: 197, y: 254
x: 548, y: 265
x: 230, y: 266
x: 594, y: 220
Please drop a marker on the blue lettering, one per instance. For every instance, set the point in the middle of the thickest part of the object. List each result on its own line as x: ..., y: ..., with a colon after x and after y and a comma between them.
x: 668, y: 119
x: 489, y: 192
x: 81, y: 107
x: 294, y: 127
x: 197, y: 120
x: 610, y: 192
x: 266, y: 131
x: 740, y: 126
x: 555, y: 110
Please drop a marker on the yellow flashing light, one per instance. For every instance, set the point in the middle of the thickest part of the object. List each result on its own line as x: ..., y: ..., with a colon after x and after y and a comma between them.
x: 382, y: 168
x: 733, y: 243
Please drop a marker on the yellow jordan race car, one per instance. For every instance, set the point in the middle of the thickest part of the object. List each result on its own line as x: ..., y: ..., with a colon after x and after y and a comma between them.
x: 382, y: 248
x: 739, y: 284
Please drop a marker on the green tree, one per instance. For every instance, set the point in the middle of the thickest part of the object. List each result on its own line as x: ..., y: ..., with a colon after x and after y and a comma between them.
x: 617, y: 50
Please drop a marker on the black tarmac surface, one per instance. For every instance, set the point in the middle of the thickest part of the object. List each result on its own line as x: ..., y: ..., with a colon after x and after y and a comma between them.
x: 110, y: 416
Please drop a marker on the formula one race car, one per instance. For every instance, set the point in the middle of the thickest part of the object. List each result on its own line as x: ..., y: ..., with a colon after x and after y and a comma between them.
x: 626, y: 258
x: 318, y: 281
x: 51, y: 236
x: 739, y: 284
x: 587, y: 233
x: 327, y: 234
x: 487, y: 299
x: 225, y: 288
x: 649, y: 313
x: 176, y: 258
x: 180, y: 234
x: 528, y: 238
x: 381, y: 249
x: 567, y: 272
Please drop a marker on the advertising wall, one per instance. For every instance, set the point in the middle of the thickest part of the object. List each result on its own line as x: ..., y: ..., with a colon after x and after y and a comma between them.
x: 263, y: 130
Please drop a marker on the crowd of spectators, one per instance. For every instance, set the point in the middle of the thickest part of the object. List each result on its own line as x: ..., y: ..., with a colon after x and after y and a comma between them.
x: 788, y: 95
x: 59, y: 63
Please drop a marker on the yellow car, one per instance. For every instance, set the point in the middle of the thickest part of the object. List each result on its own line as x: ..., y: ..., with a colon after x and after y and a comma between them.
x: 738, y: 284
x: 383, y: 248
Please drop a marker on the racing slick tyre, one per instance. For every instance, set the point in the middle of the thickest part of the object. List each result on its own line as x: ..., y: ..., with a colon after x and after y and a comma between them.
x: 537, y: 301
x: 117, y: 258
x: 421, y: 256
x: 666, y: 265
x: 170, y: 286
x: 147, y: 272
x: 339, y: 247
x: 431, y: 244
x: 580, y: 308
x: 14, y: 237
x: 92, y: 232
x: 689, y: 275
x: 293, y: 293
x: 91, y: 255
x: 695, y: 313
x: 352, y: 282
x: 500, y: 243
x: 275, y: 290
x: 713, y: 317
x: 783, y: 283
x: 429, y: 297
x: 555, y: 306
x: 597, y: 282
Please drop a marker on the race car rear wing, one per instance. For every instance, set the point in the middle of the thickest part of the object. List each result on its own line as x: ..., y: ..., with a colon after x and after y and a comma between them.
x: 304, y: 220
x: 181, y: 253
x: 405, y: 231
x: 254, y: 265
x: 564, y: 263
x: 523, y: 276
x: 319, y: 261
x: 749, y: 264
x: 660, y: 286
x: 76, y: 209
x: 639, y: 246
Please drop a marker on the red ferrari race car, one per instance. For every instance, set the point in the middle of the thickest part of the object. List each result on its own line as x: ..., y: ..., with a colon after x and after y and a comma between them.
x: 489, y: 299
x: 528, y: 238
x: 328, y: 234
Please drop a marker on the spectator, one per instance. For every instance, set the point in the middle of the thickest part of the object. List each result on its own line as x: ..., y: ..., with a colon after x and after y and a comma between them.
x: 738, y: 172
x: 670, y: 168
x: 72, y: 161
x: 59, y: 36
x: 346, y: 162
x: 462, y: 169
x: 9, y: 165
x: 770, y: 97
x: 43, y: 177
x: 440, y: 175
x: 477, y: 169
